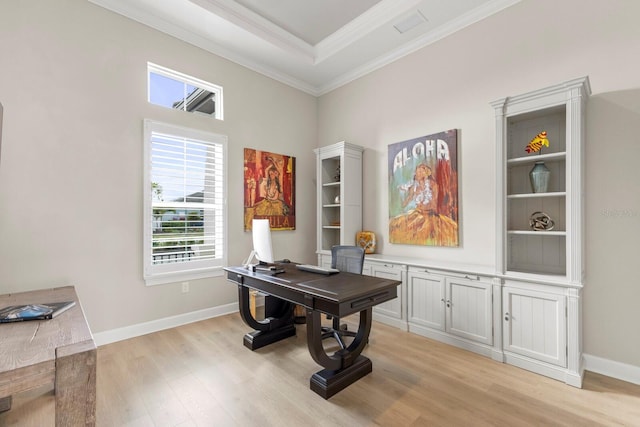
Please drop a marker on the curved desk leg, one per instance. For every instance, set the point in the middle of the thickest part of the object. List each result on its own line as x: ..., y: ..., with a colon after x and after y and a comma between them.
x: 345, y: 366
x: 279, y: 325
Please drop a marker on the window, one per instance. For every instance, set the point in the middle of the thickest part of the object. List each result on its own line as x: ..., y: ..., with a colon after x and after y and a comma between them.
x: 185, y: 203
x: 175, y: 90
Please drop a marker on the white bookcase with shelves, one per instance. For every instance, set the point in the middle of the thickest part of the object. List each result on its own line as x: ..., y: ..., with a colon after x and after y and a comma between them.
x: 555, y: 251
x: 540, y: 232
x: 339, y: 198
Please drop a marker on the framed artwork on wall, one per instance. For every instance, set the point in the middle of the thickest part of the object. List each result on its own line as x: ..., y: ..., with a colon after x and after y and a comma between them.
x: 269, y: 189
x: 423, y: 190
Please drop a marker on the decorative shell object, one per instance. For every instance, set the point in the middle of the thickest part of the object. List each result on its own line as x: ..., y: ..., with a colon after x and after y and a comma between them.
x: 540, y: 221
x: 367, y: 241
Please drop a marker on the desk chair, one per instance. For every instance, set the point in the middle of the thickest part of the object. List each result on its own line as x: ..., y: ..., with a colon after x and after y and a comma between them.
x: 349, y: 259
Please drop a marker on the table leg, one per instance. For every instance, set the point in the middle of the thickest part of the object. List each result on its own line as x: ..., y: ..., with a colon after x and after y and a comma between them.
x: 278, y: 325
x: 75, y: 384
x: 345, y: 366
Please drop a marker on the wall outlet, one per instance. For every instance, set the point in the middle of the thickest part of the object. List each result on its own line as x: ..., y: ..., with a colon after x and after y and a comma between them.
x: 185, y: 287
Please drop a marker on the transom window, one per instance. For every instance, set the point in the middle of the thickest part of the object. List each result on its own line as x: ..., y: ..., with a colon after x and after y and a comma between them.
x: 179, y: 91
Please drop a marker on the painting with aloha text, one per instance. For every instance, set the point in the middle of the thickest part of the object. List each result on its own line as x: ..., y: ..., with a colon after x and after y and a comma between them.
x: 269, y: 189
x: 423, y: 190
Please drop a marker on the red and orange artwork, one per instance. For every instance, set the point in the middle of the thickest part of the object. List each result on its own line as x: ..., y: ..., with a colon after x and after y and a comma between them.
x: 269, y: 189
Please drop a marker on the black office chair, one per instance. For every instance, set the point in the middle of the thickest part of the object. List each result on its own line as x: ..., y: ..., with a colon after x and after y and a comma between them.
x: 349, y: 259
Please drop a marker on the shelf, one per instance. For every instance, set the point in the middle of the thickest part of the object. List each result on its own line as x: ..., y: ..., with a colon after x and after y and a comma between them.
x: 331, y: 206
x: 536, y: 233
x: 331, y: 184
x: 537, y: 195
x: 533, y: 158
x: 331, y: 227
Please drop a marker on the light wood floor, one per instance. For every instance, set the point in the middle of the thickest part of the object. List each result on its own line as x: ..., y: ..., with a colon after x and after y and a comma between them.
x: 202, y: 375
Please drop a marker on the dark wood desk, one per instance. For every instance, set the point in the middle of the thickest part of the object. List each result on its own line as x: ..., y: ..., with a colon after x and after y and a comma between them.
x: 338, y: 295
x: 59, y: 351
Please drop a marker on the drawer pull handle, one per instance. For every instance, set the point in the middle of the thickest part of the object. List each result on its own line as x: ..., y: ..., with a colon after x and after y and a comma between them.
x: 366, y: 302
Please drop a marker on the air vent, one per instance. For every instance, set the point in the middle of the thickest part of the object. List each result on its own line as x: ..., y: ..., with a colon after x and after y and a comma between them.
x: 409, y: 22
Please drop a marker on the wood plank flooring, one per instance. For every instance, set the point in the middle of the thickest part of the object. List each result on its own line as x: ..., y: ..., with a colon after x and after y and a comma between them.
x: 201, y: 375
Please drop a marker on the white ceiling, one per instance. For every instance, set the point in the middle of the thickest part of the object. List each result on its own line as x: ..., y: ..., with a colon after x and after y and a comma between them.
x: 312, y: 45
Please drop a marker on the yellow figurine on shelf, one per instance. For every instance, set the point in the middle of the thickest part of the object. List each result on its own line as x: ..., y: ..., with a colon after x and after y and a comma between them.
x: 536, y: 143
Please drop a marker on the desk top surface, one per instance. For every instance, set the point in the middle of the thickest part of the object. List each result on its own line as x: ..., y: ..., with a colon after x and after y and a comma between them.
x: 337, y: 287
x: 35, y: 341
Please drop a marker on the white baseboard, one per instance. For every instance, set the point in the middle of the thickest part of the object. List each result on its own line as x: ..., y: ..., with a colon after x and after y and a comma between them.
x: 114, y: 335
x: 611, y: 368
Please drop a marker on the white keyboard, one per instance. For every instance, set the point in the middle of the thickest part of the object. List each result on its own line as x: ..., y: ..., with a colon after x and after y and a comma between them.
x: 316, y: 269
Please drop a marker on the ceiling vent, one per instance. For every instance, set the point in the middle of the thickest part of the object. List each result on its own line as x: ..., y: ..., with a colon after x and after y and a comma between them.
x: 410, y: 22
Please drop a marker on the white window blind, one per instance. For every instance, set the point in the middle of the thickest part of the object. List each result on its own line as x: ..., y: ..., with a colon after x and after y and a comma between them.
x: 185, y: 193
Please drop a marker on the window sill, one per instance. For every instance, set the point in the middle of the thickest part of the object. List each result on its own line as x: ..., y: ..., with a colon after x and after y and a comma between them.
x: 163, y: 279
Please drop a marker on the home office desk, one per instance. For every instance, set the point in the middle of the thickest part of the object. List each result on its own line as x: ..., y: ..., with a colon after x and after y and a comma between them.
x: 60, y: 351
x: 338, y: 295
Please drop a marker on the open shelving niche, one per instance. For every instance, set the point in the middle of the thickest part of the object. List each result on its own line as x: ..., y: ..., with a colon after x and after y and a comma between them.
x: 529, y: 251
x: 339, y: 175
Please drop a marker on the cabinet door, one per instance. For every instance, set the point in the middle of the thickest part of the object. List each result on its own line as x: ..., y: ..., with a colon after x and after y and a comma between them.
x: 469, y: 309
x: 324, y: 260
x: 392, y: 308
x: 534, y: 325
x: 426, y: 299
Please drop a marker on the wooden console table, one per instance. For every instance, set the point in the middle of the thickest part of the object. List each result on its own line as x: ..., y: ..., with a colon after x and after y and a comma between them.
x: 59, y: 351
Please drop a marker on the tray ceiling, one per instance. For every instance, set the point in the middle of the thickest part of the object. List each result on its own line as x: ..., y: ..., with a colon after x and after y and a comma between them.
x: 313, y: 45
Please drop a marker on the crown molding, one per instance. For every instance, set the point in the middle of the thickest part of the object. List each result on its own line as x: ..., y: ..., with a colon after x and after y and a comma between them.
x: 374, y: 18
x: 187, y: 35
x: 259, y: 26
x: 431, y: 37
x: 307, y: 56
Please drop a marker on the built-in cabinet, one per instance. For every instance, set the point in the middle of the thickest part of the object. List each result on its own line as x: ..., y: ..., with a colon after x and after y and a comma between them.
x: 540, y: 231
x: 534, y: 324
x: 339, y: 196
x: 451, y: 307
x: 527, y: 310
x: 392, y: 312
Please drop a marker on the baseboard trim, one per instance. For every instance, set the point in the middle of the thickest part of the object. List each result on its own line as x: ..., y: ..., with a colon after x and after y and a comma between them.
x: 132, y: 331
x: 611, y: 368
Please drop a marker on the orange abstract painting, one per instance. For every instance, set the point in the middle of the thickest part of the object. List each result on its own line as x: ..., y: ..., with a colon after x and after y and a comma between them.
x: 269, y: 189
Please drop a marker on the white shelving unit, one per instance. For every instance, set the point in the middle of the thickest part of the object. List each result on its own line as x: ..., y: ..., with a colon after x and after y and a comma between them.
x: 339, y: 196
x: 542, y: 272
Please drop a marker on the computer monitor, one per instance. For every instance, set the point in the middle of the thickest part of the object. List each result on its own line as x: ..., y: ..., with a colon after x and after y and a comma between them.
x: 262, y: 248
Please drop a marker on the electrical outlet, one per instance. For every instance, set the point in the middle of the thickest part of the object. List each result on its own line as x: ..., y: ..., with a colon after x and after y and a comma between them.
x: 185, y: 287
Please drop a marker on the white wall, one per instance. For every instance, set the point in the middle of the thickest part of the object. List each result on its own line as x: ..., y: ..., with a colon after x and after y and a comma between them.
x: 450, y: 84
x: 73, y: 84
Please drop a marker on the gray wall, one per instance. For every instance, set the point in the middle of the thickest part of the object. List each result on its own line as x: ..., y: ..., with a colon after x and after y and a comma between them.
x: 73, y: 84
x: 531, y: 45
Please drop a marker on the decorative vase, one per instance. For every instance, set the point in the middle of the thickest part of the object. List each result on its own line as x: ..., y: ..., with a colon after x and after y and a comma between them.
x: 366, y: 240
x: 539, y: 177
